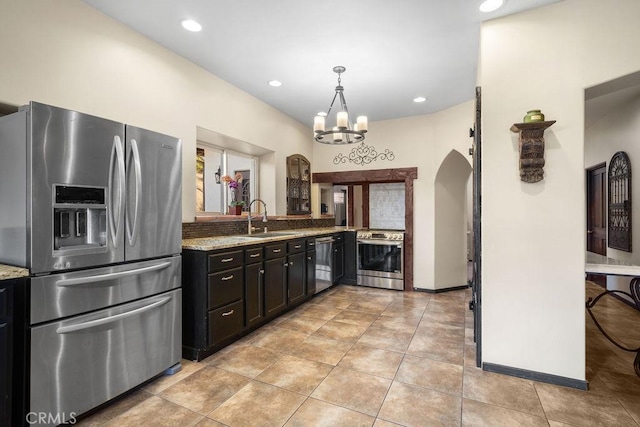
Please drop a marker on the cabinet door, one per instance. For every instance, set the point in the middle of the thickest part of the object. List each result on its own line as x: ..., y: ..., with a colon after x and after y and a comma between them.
x: 310, y: 272
x: 5, y: 375
x: 338, y: 263
x: 295, y: 277
x: 275, y: 286
x: 254, y: 294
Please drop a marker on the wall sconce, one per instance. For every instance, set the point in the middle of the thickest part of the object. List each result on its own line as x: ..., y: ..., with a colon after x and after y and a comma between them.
x: 217, y: 175
x: 531, y: 148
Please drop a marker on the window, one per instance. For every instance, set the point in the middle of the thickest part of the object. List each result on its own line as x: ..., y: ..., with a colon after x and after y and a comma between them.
x: 619, y: 231
x: 212, y: 163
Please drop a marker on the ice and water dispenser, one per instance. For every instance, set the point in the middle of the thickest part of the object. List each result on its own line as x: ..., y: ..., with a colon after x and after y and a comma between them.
x: 79, y: 218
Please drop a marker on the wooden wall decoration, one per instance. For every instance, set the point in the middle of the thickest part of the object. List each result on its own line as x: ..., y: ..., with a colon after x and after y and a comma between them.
x: 531, y: 148
x: 619, y: 197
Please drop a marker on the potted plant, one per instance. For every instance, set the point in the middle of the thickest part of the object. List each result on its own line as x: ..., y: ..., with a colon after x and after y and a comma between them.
x: 235, y: 188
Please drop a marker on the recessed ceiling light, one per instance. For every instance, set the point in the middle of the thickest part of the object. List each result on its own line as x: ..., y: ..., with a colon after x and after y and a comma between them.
x: 274, y: 83
x: 322, y: 114
x: 191, y: 25
x: 419, y: 99
x: 490, y: 5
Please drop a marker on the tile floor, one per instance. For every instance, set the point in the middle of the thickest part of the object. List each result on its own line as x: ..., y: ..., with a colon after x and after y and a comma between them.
x: 358, y: 356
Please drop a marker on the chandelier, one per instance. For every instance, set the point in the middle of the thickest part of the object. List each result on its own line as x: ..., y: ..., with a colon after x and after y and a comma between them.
x: 344, y: 132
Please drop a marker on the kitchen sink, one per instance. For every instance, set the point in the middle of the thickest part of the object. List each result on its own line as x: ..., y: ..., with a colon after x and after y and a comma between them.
x: 270, y: 234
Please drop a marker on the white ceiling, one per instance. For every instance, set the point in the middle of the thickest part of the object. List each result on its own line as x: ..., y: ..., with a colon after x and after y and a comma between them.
x: 394, y: 51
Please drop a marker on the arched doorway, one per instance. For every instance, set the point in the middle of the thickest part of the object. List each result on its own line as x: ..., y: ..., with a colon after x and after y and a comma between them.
x: 451, y: 221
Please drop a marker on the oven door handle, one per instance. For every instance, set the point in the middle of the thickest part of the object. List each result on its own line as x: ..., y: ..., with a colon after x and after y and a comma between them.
x: 397, y: 243
x: 111, y: 276
x: 111, y: 319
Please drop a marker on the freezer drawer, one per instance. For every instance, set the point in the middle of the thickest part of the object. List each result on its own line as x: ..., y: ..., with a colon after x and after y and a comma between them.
x: 61, y: 295
x: 82, y: 362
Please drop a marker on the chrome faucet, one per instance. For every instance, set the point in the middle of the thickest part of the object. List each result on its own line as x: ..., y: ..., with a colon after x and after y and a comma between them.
x: 264, y: 216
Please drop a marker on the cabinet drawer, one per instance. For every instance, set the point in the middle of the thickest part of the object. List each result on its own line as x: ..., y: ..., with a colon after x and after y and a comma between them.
x: 296, y: 246
x: 275, y: 251
x: 253, y: 255
x: 225, y: 261
x: 225, y: 322
x: 225, y: 287
x: 311, y: 244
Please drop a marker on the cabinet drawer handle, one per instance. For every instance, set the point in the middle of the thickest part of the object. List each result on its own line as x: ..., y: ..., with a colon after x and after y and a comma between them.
x: 275, y: 251
x: 297, y: 246
x: 309, y: 258
x: 254, y: 255
x: 312, y: 244
x: 290, y: 262
x: 261, y: 271
x: 228, y: 313
x: 227, y: 278
x: 227, y: 259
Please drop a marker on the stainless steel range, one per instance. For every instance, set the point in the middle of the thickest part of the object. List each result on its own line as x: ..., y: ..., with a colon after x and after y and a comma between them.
x: 380, y: 258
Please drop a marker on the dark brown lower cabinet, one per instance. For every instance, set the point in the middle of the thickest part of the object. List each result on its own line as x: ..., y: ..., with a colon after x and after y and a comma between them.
x: 275, y: 286
x: 295, y: 277
x: 254, y: 294
x: 310, y: 271
x: 12, y: 351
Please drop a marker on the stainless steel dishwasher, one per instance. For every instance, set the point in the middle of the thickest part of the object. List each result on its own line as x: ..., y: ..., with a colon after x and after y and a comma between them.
x: 324, y: 263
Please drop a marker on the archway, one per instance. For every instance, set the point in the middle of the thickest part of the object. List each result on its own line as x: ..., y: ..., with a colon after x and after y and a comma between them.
x: 450, y: 235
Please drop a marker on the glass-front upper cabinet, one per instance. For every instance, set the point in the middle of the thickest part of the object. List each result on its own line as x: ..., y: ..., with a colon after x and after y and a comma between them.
x: 298, y: 185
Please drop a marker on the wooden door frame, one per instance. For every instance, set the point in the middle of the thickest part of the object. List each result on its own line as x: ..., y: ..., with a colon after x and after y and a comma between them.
x: 379, y: 176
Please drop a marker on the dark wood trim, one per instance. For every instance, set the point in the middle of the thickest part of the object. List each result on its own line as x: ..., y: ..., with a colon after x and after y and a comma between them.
x: 357, y: 177
x: 536, y: 376
x: 365, y: 205
x: 351, y: 222
x: 365, y: 177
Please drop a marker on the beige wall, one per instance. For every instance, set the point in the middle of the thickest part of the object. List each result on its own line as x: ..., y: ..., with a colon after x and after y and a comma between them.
x: 534, y: 234
x: 422, y: 142
x: 68, y: 54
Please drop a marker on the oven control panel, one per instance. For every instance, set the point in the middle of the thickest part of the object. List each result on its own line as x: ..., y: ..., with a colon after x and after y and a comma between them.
x: 380, y: 235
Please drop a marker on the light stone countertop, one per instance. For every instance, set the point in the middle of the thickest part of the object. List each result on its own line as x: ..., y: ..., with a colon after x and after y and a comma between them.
x: 223, y: 242
x: 11, y: 272
x: 599, y: 264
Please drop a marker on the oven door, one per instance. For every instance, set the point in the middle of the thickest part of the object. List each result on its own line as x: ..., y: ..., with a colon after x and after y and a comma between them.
x: 380, y: 258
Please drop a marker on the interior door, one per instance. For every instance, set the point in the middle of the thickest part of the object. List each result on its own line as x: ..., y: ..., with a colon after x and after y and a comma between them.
x: 597, y: 216
x: 597, y: 209
x: 476, y: 282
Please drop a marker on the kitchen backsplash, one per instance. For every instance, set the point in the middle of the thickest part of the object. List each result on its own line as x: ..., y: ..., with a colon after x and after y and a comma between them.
x: 229, y: 227
x: 386, y: 206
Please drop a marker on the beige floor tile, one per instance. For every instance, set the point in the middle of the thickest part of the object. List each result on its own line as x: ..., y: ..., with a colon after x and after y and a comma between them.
x: 632, y: 406
x: 396, y: 310
x: 501, y: 390
x: 396, y: 323
x: 296, y: 374
x: 441, y: 331
x: 387, y: 339
x: 435, y: 348
x: 280, y: 339
x: 581, y: 408
x: 356, y: 317
x: 249, y: 361
x: 205, y: 390
x: 258, y: 405
x: 115, y: 408
x: 208, y: 422
x: 165, y: 381
x: 353, y: 390
x: 383, y: 423
x: 409, y: 405
x: 157, y: 412
x: 432, y: 374
x: 341, y: 331
x: 323, y: 350
x: 317, y: 413
x: 320, y: 312
x: 333, y: 301
x: 370, y: 360
x: 301, y: 322
x: 374, y: 307
x: 483, y: 414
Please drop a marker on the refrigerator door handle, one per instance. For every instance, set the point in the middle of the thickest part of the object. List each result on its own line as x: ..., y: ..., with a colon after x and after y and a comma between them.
x: 111, y: 276
x: 115, y: 206
x: 111, y: 319
x: 133, y: 231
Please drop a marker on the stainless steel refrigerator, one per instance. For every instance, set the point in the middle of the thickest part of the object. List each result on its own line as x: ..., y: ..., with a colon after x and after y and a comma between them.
x: 92, y: 208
